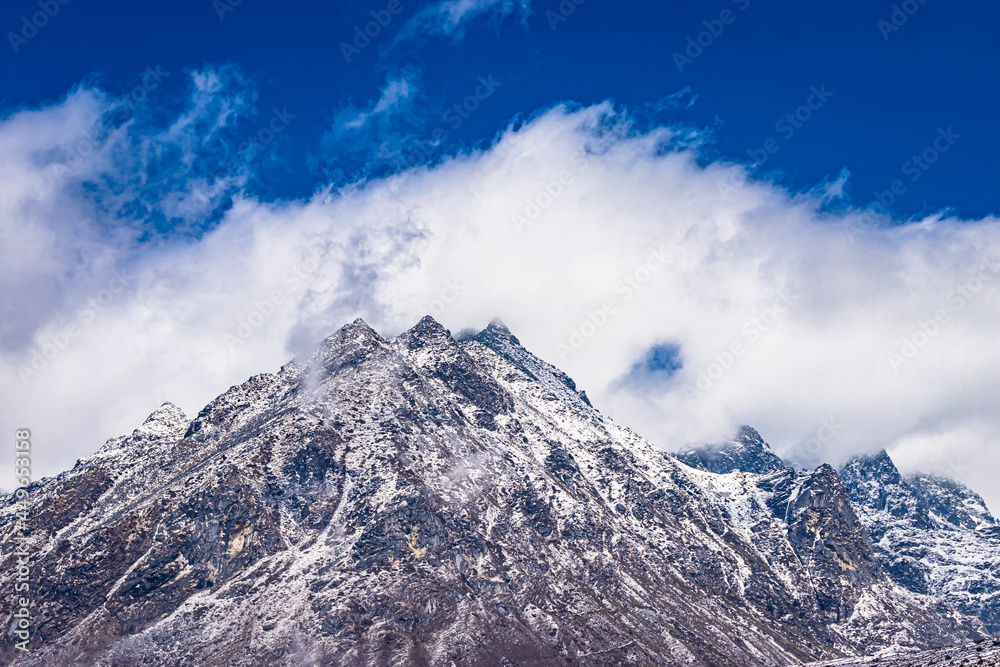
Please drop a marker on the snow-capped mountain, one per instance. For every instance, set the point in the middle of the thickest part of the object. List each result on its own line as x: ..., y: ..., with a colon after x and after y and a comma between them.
x: 933, y: 535
x: 747, y: 453
x: 423, y: 500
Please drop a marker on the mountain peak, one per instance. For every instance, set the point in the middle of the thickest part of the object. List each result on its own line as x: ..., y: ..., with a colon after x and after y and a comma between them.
x: 496, y: 325
x: 356, y: 331
x: 747, y: 452
x: 951, y: 503
x: 870, y: 469
x: 164, y: 420
x: 496, y: 332
x: 427, y: 331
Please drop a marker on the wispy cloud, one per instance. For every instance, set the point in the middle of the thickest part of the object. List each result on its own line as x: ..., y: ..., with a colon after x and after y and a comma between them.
x: 453, y: 18
x: 374, y: 134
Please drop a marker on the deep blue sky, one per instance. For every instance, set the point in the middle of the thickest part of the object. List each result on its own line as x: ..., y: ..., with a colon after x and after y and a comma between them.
x: 890, y: 96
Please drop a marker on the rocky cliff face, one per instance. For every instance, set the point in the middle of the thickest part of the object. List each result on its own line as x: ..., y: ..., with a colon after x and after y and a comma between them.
x: 747, y: 452
x: 933, y: 535
x: 421, y: 500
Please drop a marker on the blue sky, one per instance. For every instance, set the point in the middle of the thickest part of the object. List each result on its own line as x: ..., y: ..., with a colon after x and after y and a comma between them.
x: 708, y: 214
x: 892, y: 89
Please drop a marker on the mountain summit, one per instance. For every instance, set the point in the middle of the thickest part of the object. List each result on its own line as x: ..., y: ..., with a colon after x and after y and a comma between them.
x: 932, y: 535
x: 747, y: 452
x: 423, y: 500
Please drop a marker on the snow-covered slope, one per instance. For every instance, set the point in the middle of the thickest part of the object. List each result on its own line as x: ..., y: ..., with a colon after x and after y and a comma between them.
x: 747, y: 453
x: 422, y: 500
x: 985, y: 653
x: 932, y: 535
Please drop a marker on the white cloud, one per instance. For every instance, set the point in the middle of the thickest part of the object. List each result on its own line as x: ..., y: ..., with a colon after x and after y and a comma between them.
x: 552, y: 227
x: 452, y: 18
x: 379, y: 131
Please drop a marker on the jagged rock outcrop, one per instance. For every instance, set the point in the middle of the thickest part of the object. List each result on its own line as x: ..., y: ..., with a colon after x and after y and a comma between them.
x: 747, y: 452
x: 933, y: 535
x: 422, y: 500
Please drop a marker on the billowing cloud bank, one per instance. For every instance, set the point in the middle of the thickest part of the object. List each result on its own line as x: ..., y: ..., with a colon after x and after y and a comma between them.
x: 684, y: 298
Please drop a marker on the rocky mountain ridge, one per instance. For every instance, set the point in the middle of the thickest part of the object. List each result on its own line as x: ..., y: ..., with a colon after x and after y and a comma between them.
x: 933, y: 535
x: 429, y: 501
x: 746, y: 453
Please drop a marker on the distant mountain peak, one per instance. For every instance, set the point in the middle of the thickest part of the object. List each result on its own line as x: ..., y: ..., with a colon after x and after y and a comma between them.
x: 932, y: 534
x: 867, y: 469
x: 167, y: 415
x: 426, y: 332
x: 747, y: 452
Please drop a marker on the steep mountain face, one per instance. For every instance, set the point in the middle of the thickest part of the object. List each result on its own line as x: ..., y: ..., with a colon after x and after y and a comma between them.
x: 426, y: 501
x: 932, y: 535
x: 985, y: 652
x: 747, y: 452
